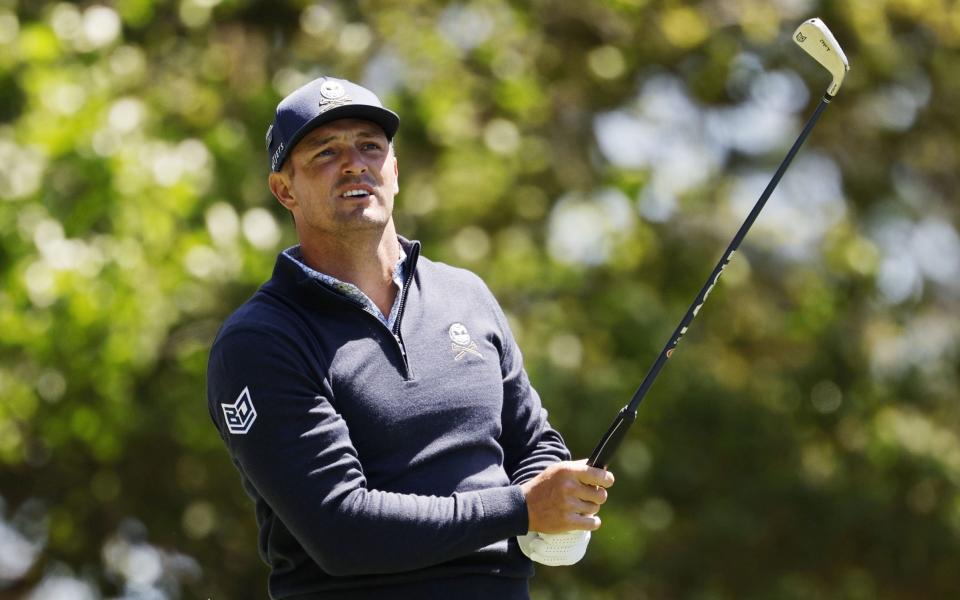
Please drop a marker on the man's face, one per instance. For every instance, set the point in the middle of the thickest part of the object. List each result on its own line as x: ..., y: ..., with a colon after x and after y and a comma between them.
x: 342, y: 177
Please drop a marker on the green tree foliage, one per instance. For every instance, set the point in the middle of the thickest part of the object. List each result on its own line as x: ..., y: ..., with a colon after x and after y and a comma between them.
x: 590, y: 160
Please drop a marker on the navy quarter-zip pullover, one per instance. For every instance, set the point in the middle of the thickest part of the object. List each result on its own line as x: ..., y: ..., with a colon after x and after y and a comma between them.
x: 382, y: 463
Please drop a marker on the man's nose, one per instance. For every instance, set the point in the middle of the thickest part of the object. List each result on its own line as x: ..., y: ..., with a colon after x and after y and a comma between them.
x: 353, y: 162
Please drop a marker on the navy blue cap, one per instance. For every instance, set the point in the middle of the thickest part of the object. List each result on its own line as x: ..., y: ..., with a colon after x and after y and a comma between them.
x: 321, y: 101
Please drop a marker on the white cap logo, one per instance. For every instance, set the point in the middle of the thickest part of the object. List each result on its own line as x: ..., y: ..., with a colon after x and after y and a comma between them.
x: 331, y: 90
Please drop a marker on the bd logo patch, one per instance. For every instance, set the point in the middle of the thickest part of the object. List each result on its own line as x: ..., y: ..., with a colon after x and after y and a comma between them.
x: 241, y: 414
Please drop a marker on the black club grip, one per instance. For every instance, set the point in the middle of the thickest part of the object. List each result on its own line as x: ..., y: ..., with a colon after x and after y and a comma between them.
x: 611, y: 440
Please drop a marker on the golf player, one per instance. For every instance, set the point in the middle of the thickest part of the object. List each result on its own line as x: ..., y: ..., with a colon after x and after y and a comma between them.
x: 375, y: 402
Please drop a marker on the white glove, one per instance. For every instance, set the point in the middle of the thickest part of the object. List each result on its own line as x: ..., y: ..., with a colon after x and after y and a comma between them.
x: 554, y: 549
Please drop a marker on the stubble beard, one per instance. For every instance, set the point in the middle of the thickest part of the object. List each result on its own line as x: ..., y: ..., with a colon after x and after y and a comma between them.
x: 369, y: 219
x: 374, y: 214
x: 347, y: 218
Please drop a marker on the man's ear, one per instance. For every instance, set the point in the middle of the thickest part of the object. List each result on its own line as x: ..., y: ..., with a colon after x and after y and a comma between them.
x: 396, y: 176
x: 279, y: 185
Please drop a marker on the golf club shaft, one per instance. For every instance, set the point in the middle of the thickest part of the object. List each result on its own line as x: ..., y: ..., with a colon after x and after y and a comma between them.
x: 614, y: 436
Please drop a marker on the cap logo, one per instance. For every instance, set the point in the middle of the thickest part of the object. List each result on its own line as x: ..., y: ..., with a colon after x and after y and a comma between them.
x: 332, y: 95
x: 331, y: 90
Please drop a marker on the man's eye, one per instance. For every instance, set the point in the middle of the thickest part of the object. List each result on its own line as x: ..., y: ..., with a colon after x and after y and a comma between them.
x: 371, y: 146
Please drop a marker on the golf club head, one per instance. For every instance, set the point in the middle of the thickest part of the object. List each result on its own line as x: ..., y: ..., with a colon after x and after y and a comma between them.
x: 814, y: 37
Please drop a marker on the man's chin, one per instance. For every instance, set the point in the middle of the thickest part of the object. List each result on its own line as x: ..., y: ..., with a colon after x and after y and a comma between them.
x: 365, y: 219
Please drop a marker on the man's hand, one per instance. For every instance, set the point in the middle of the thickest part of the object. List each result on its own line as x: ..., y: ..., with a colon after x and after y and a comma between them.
x: 566, y: 496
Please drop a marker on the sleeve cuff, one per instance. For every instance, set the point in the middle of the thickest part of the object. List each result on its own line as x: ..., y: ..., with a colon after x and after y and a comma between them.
x: 505, y: 509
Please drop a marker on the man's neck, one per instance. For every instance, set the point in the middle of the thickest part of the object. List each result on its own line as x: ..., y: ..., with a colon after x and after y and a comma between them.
x: 367, y: 261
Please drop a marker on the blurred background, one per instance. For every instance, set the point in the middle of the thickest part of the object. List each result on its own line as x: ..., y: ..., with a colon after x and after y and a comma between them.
x: 590, y: 160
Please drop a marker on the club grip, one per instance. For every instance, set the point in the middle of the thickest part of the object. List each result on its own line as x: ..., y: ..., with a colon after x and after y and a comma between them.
x: 612, y: 439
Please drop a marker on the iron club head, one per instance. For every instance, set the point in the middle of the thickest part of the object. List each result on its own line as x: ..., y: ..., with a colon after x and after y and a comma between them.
x: 814, y: 37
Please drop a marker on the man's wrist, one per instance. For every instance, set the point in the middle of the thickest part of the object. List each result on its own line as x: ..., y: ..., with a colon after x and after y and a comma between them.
x: 504, y: 509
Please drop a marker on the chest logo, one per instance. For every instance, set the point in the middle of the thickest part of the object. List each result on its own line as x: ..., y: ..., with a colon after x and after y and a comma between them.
x: 240, y: 415
x: 461, y: 344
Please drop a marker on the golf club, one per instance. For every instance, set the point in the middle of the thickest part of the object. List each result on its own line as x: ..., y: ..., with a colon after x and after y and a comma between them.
x: 814, y: 37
